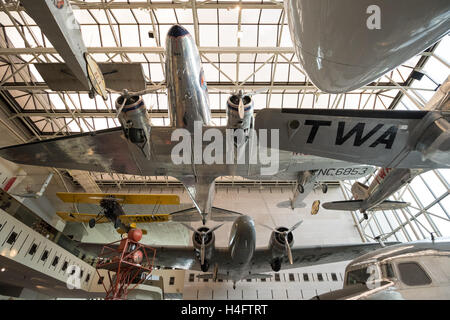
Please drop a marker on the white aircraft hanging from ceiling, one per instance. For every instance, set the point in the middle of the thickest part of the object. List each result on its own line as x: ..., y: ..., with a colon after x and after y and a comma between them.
x: 139, y: 148
x: 418, y: 270
x: 241, y: 259
x: 371, y: 198
x: 346, y: 44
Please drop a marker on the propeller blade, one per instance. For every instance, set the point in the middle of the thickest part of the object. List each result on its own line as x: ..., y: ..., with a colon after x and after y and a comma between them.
x: 288, y: 248
x: 202, y: 250
x: 121, y: 106
x: 214, y: 229
x: 295, y: 226
x: 241, y: 108
x: 259, y: 91
x: 188, y: 226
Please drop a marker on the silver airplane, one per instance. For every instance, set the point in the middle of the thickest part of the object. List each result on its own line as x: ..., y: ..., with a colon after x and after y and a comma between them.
x: 241, y: 259
x: 379, y: 36
x: 418, y: 270
x: 139, y: 148
x: 373, y: 198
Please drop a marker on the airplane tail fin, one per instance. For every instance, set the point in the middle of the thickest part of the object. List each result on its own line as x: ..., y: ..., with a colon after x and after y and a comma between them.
x: 360, y: 191
x: 353, y: 205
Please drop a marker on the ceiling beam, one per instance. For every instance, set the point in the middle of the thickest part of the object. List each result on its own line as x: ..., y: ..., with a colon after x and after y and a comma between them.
x: 276, y: 86
x: 149, y: 50
x: 100, y: 5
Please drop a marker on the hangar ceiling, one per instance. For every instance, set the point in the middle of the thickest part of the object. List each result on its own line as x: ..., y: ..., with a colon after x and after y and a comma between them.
x: 243, y: 44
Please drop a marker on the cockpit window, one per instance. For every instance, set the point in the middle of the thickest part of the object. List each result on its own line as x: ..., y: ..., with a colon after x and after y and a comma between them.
x: 412, y: 274
x: 357, y: 276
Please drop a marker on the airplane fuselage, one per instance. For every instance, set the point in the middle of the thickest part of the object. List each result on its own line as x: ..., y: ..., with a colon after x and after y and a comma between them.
x: 187, y: 90
x: 242, y: 244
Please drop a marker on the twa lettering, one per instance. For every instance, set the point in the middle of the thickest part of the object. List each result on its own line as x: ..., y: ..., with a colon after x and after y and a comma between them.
x: 383, y: 136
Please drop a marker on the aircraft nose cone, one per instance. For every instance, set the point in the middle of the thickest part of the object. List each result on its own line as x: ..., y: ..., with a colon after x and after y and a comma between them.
x: 177, y: 31
x: 245, y: 219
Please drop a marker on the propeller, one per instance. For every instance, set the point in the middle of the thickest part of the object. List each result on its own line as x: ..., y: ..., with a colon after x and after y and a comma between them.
x: 241, y: 105
x: 203, y: 235
x: 285, y: 235
x: 127, y: 95
x: 240, y: 94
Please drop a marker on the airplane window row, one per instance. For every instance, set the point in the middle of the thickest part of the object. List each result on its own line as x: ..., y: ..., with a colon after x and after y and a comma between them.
x: 277, y: 278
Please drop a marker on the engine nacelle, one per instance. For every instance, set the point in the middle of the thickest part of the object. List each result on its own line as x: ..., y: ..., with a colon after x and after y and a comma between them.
x: 135, y: 122
x: 277, y: 247
x: 134, y: 118
x: 234, y: 121
x: 209, y: 246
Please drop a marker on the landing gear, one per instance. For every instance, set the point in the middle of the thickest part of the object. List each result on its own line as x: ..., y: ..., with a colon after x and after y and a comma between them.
x: 92, y: 223
x: 365, y: 216
x: 234, y: 285
x: 324, y: 188
x: 137, y: 135
x: 276, y: 264
x: 215, y: 272
x: 300, y: 188
x: 204, y: 267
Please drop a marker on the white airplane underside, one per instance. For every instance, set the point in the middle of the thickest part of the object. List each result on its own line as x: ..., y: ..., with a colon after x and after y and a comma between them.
x: 346, y: 44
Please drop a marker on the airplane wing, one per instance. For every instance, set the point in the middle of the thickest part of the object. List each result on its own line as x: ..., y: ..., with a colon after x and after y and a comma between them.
x: 404, y: 139
x: 80, y: 217
x: 353, y: 205
x: 184, y: 257
x: 122, y: 198
x: 313, y: 255
x: 101, y: 151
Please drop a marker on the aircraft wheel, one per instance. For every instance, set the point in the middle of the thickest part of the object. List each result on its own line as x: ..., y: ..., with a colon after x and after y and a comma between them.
x: 365, y: 216
x: 300, y: 188
x: 276, y: 265
x: 91, y: 223
x: 324, y: 188
x: 205, y: 266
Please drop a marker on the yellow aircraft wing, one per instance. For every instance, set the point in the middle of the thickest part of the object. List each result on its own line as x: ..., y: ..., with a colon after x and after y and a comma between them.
x: 80, y: 217
x: 144, y: 218
x: 122, y: 198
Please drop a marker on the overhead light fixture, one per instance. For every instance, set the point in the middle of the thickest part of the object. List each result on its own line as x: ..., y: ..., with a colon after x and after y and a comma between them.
x: 2, y: 269
x: 238, y: 7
